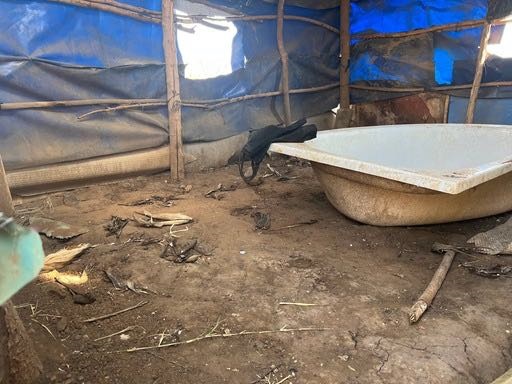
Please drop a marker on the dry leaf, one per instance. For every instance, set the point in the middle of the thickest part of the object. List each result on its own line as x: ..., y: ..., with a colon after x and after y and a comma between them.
x: 63, y: 257
x: 160, y: 220
x: 65, y: 278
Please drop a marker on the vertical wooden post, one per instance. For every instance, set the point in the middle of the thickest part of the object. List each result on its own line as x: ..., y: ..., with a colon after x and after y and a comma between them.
x: 285, y: 82
x: 345, y: 53
x: 482, y: 56
x: 6, y: 205
x: 173, y: 91
x: 344, y: 114
x: 446, y: 109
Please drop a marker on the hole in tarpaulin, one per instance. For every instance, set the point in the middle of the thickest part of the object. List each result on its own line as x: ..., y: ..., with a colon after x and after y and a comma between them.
x: 206, y: 49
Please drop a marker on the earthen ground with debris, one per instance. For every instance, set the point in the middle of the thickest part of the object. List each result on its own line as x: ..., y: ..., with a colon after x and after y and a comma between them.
x: 363, y: 280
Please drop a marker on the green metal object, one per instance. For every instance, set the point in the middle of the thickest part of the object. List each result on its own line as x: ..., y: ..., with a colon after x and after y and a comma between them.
x: 21, y: 257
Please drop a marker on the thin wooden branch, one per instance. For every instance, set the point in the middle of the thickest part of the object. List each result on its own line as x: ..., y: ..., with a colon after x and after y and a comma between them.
x: 117, y: 8
x: 173, y: 92
x: 212, y: 335
x: 72, y: 103
x: 6, y: 205
x: 109, y: 315
x: 196, y: 18
x: 430, y: 292
x: 345, y: 54
x: 121, y: 107
x: 127, y: 329
x: 217, y: 103
x: 144, y: 14
x: 469, y: 86
x: 438, y: 28
x: 222, y: 102
x: 386, y: 89
x: 285, y: 82
x: 480, y: 62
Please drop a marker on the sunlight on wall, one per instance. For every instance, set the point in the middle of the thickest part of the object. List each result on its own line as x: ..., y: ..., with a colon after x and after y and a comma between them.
x: 207, y: 52
x: 504, y: 48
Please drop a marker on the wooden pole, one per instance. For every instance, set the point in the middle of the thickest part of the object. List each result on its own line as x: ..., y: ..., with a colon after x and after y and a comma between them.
x: 345, y: 54
x: 285, y: 82
x: 344, y: 114
x: 6, y: 205
x: 173, y: 91
x: 482, y: 56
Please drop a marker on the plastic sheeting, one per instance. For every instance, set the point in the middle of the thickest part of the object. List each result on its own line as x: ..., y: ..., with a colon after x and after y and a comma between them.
x: 52, y: 51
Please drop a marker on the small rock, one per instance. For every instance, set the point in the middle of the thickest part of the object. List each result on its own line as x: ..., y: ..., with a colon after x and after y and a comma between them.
x: 62, y: 324
x: 124, y: 337
x: 192, y: 259
x: 344, y: 357
x: 243, y: 252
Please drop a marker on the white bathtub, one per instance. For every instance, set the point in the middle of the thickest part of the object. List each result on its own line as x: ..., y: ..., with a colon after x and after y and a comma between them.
x: 412, y: 174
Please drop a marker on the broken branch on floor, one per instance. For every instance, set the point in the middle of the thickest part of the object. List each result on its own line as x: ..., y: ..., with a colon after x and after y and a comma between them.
x: 310, y: 222
x: 426, y: 298
x: 127, y: 329
x: 212, y: 335
x: 302, y: 304
x: 103, y: 317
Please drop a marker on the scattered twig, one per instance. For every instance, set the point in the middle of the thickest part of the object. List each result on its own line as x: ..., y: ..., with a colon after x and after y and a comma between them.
x: 268, y: 373
x: 211, y: 335
x: 302, y: 304
x: 310, y: 222
x: 127, y: 329
x: 285, y: 379
x: 45, y: 327
x: 120, y: 108
x: 103, y: 317
x: 430, y: 292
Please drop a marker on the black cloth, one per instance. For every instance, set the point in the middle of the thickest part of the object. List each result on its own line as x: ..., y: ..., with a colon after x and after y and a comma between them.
x: 260, y: 140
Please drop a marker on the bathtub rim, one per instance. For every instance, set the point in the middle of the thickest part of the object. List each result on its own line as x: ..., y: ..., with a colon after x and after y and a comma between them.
x: 446, y: 184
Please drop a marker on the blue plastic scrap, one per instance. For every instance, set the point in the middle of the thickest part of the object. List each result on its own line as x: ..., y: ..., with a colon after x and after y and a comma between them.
x: 21, y: 257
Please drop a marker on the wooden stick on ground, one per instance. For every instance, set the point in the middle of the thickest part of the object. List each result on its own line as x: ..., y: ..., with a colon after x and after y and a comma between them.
x: 103, y: 317
x: 482, y: 56
x: 285, y: 82
x: 430, y: 292
x: 212, y: 335
x: 173, y: 92
x: 6, y: 205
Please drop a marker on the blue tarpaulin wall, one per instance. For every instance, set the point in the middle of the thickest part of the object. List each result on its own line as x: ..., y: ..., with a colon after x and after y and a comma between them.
x: 53, y: 51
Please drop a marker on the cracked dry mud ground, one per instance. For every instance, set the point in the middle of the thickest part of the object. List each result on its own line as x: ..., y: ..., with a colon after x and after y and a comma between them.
x: 365, y: 277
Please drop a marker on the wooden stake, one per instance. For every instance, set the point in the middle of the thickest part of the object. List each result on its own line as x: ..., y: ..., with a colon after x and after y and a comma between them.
x: 173, y: 91
x: 482, y: 56
x: 6, y: 205
x: 285, y: 82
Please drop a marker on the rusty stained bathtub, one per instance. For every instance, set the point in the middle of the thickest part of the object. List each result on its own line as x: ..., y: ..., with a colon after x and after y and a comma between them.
x: 412, y: 174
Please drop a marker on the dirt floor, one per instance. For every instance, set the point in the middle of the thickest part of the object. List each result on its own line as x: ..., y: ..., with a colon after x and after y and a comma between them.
x: 363, y: 280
